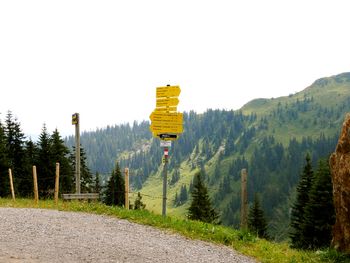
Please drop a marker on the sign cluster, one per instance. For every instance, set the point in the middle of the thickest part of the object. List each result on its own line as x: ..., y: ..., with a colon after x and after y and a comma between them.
x: 166, y: 121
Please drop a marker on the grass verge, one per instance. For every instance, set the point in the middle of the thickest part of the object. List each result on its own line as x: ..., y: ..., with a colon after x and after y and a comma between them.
x: 247, y: 244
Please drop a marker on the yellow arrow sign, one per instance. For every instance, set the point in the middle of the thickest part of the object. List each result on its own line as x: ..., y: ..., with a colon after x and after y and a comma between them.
x: 166, y: 117
x: 167, y: 102
x: 166, y: 109
x: 168, y: 91
x: 166, y: 128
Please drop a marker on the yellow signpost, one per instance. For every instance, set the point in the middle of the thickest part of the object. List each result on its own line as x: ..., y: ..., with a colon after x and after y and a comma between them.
x: 166, y: 109
x: 168, y: 91
x: 166, y: 125
x: 167, y: 102
x: 165, y: 118
x: 165, y: 128
x: 174, y: 117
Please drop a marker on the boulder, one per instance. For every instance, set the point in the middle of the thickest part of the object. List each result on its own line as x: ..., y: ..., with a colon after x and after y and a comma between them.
x: 340, y: 170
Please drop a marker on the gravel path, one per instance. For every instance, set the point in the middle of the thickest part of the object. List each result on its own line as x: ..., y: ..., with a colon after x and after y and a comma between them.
x: 36, y: 235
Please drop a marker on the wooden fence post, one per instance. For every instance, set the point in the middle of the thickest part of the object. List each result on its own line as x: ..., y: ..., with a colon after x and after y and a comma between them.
x: 35, y: 179
x: 57, y: 182
x: 127, y: 188
x: 244, y: 200
x: 11, y: 185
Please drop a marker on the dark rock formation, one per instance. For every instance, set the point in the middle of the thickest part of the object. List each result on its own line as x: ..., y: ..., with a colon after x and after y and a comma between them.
x: 340, y: 169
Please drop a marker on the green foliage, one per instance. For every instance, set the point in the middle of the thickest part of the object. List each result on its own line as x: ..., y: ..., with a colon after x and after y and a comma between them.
x: 4, y: 179
x: 115, y: 190
x: 302, y: 199
x: 256, y: 220
x: 97, y: 183
x: 319, y: 211
x: 139, y: 205
x: 20, y: 155
x: 201, y: 208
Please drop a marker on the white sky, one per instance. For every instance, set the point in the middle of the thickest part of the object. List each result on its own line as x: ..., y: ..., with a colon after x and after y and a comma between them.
x: 104, y: 59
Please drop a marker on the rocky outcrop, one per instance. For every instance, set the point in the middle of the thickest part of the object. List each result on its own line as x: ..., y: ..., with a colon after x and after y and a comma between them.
x: 340, y: 169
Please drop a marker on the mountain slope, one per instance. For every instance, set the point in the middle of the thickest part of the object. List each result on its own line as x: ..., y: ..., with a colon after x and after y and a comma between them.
x: 270, y: 137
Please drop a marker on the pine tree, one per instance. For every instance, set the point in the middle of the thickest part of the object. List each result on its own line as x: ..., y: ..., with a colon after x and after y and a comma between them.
x: 183, y: 194
x: 45, y: 164
x: 97, y: 183
x: 319, y: 211
x: 302, y: 199
x: 201, y: 208
x: 115, y: 191
x: 256, y: 219
x: 60, y: 154
x: 176, y: 200
x: 86, y: 180
x: 15, y: 140
x: 4, y: 179
x: 86, y: 175
x: 139, y: 205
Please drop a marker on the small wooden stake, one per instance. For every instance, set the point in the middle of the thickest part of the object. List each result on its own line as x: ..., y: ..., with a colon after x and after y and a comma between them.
x: 244, y: 200
x: 127, y: 188
x: 11, y: 185
x: 57, y: 182
x: 36, y: 193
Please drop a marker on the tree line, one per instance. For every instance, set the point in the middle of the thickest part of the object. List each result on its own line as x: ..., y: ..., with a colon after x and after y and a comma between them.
x: 20, y: 154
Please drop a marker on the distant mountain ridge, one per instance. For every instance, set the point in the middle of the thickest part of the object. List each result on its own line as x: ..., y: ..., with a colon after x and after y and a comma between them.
x: 269, y: 137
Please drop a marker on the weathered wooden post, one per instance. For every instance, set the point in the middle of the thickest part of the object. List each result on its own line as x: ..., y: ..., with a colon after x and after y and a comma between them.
x: 35, y: 179
x: 126, y: 188
x: 244, y: 199
x: 11, y: 185
x: 57, y: 182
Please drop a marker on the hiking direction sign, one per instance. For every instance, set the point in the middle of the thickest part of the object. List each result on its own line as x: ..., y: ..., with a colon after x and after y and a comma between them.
x: 166, y: 122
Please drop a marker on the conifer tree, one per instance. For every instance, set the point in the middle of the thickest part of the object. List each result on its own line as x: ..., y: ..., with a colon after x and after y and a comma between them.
x: 176, y: 200
x: 319, y: 212
x: 139, y: 205
x: 86, y: 180
x: 256, y: 219
x: 115, y: 191
x: 60, y: 154
x: 201, y: 208
x: 97, y: 183
x: 45, y: 164
x: 86, y: 175
x: 302, y: 199
x: 183, y: 194
x: 4, y: 179
x: 15, y: 140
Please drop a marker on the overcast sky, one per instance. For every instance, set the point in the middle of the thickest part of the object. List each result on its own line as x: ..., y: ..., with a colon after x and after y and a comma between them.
x: 104, y: 59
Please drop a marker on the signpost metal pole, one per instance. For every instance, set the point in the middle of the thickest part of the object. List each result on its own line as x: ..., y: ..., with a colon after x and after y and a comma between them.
x: 165, y: 181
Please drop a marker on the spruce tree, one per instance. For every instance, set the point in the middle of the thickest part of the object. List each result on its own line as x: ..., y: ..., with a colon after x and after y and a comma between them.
x: 183, y: 194
x: 4, y: 179
x: 86, y: 175
x: 45, y: 164
x: 256, y: 219
x: 15, y: 140
x: 86, y: 179
x: 60, y: 154
x: 97, y: 183
x: 115, y: 191
x: 139, y: 205
x: 319, y: 212
x: 201, y: 208
x: 302, y: 199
